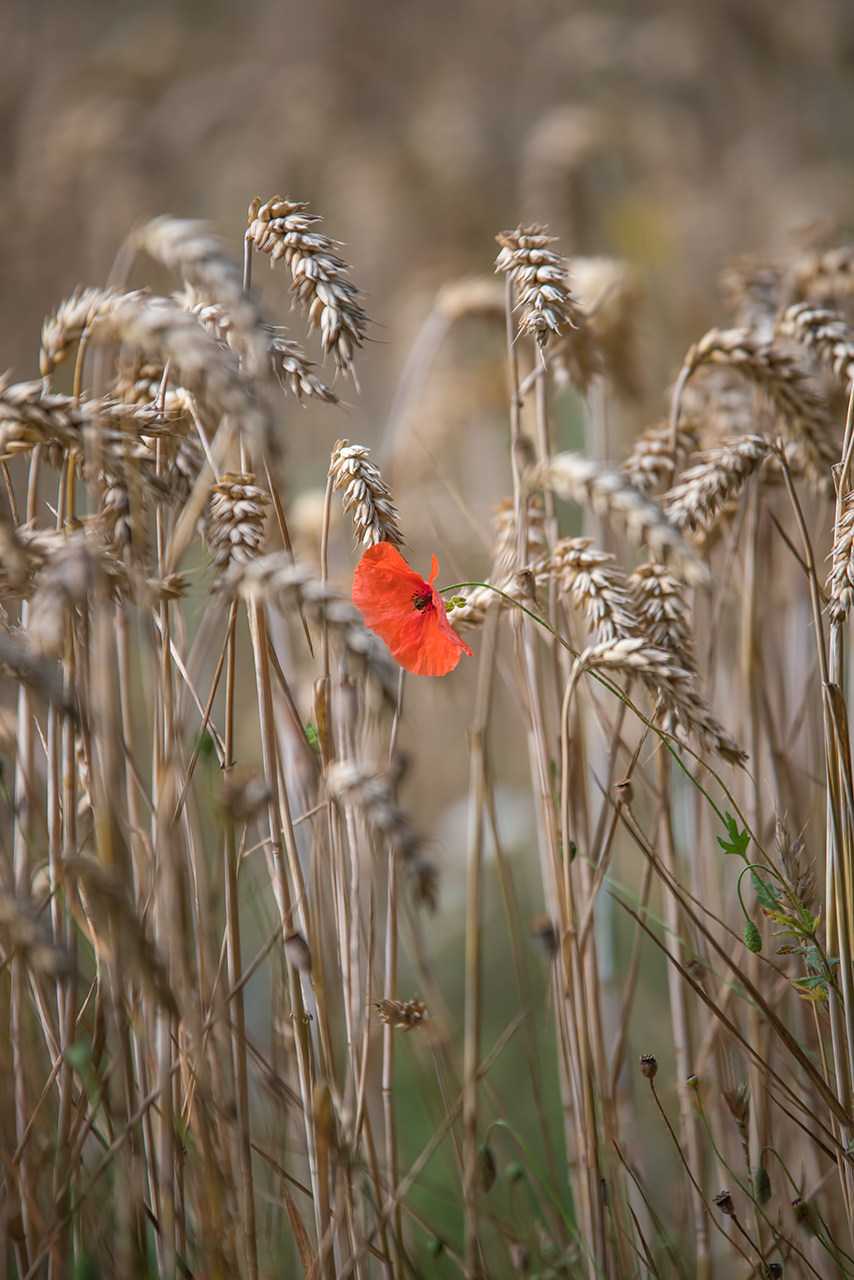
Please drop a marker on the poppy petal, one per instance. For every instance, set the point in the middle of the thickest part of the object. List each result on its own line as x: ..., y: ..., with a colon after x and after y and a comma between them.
x: 420, y: 639
x: 440, y: 647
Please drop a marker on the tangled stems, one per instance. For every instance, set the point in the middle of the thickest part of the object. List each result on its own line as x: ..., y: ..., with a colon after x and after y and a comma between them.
x: 666, y: 738
x: 745, y: 1191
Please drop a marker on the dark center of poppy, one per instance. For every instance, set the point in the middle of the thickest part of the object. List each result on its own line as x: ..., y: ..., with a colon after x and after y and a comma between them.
x: 422, y: 600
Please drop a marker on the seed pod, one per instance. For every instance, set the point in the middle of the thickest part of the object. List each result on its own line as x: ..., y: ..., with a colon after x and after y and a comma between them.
x: 724, y: 1202
x: 486, y: 1170
x: 649, y: 1065
x: 762, y: 1185
x: 752, y: 936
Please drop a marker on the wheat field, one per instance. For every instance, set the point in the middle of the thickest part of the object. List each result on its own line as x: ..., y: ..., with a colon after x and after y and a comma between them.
x: 311, y: 965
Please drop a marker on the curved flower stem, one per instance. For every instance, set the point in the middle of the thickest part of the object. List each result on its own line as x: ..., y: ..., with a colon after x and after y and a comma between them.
x: 694, y: 1182
x: 667, y: 739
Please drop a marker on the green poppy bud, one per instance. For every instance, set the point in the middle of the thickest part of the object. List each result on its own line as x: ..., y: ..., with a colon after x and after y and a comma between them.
x: 752, y: 936
x: 762, y: 1185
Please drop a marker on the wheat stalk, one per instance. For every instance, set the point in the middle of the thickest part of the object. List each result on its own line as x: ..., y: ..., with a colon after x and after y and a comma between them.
x: 825, y: 333
x: 548, y: 307
x: 611, y: 495
x: 840, y: 582
x: 287, y: 359
x: 596, y: 587
x: 827, y: 273
x: 704, y: 489
x: 801, y: 410
x: 503, y: 574
x: 284, y: 230
x: 609, y: 293
x: 653, y: 463
x: 375, y: 516
x: 236, y: 532
x: 663, y: 614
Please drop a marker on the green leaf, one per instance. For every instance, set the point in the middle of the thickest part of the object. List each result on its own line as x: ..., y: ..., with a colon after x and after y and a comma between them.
x: 766, y: 895
x: 811, y: 988
x: 792, y: 925
x: 738, y: 840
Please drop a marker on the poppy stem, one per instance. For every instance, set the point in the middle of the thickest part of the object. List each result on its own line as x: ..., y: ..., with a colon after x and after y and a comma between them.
x: 667, y: 739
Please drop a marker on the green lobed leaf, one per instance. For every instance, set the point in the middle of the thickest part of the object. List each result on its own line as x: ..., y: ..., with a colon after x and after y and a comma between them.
x: 738, y: 840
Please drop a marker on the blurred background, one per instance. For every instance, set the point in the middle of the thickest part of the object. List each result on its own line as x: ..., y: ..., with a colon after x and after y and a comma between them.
x: 672, y: 135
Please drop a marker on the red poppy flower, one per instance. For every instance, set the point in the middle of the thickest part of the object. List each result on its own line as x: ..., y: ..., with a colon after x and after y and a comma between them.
x: 407, y: 612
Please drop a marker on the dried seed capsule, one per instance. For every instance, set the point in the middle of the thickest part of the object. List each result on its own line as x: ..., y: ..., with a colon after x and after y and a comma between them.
x: 724, y: 1202
x: 649, y: 1065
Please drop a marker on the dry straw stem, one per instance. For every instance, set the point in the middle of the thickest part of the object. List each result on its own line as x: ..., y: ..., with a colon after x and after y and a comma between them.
x: 274, y: 579
x: 719, y: 475
x: 374, y: 793
x: 826, y: 333
x: 801, y: 410
x: 284, y: 230
x: 547, y: 305
x: 613, y: 497
x: 375, y: 516
x: 653, y: 464
x: 503, y: 574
